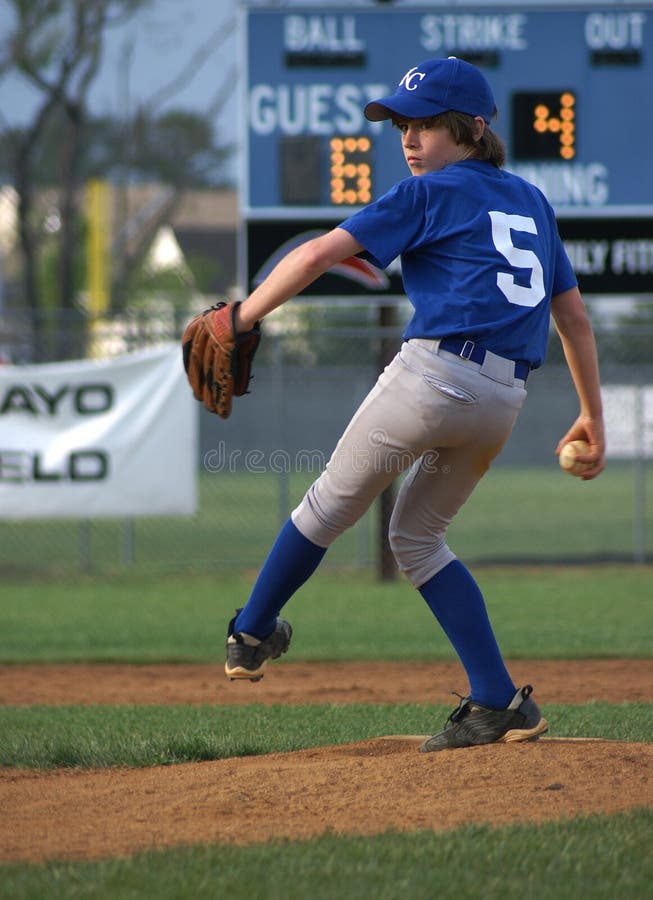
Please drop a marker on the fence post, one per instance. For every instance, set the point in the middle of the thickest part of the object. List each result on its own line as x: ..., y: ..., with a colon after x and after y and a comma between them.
x: 639, y: 480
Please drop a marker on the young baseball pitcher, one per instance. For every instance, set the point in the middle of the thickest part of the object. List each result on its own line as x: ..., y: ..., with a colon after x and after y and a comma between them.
x: 484, y: 268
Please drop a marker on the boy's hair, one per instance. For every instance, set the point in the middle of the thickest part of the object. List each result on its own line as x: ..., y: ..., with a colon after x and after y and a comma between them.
x: 461, y: 127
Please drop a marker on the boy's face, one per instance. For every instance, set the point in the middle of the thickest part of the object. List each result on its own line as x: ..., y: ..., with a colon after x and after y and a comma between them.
x: 429, y: 146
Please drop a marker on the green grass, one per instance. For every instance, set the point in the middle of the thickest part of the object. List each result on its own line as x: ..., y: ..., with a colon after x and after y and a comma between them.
x: 543, y: 514
x: 546, y: 612
x: 238, y: 518
x: 73, y: 736
x: 516, y: 513
x: 594, y: 858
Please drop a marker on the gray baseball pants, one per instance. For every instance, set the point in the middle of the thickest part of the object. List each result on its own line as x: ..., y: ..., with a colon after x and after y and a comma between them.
x: 442, y: 418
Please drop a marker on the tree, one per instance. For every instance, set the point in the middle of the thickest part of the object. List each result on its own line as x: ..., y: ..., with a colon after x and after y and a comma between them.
x: 176, y: 149
x: 57, y: 47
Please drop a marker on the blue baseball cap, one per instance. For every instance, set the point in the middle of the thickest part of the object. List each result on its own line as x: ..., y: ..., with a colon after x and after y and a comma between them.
x: 436, y: 86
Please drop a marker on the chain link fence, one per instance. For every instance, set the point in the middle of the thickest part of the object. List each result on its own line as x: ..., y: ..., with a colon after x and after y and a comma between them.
x: 316, y: 363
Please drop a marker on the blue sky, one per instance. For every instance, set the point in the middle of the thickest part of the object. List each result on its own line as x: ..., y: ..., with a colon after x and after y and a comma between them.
x: 162, y: 40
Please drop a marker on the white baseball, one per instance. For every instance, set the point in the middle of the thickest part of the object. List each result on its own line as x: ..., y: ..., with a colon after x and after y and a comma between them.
x: 568, y: 456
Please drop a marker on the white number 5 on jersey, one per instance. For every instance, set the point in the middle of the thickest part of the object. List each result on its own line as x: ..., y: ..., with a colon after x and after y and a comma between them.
x: 502, y: 227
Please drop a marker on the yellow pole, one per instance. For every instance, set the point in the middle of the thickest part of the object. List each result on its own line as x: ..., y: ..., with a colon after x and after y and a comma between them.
x: 97, y: 258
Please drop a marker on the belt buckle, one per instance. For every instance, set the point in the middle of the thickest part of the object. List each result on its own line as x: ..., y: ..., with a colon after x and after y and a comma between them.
x: 467, y: 349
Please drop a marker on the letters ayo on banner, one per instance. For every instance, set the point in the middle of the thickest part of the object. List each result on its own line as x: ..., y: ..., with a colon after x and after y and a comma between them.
x: 107, y: 438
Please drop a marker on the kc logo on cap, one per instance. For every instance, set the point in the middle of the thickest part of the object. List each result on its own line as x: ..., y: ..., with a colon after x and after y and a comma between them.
x: 408, y: 80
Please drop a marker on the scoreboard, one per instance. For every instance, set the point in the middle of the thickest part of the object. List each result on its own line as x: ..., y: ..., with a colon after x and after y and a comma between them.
x: 573, y: 87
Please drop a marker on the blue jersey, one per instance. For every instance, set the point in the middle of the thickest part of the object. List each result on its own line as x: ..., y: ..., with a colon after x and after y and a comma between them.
x: 481, y: 256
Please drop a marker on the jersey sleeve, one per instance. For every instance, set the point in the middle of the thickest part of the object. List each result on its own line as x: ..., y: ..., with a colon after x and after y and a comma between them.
x: 390, y: 225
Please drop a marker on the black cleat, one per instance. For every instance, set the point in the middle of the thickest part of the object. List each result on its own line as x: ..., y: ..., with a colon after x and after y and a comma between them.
x: 472, y: 724
x: 247, y: 655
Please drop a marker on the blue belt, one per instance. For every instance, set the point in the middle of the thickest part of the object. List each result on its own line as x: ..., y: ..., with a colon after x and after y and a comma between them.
x: 469, y: 350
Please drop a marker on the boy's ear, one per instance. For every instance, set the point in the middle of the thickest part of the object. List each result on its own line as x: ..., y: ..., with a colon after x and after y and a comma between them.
x: 479, y: 127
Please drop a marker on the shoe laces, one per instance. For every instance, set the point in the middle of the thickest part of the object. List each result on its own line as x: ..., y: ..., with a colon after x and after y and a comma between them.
x: 459, y: 710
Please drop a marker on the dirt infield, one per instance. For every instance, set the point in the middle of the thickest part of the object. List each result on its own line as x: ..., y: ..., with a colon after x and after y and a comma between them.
x: 361, y: 788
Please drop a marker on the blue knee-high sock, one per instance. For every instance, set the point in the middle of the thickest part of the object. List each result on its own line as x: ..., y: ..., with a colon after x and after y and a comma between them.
x: 457, y: 603
x: 291, y: 562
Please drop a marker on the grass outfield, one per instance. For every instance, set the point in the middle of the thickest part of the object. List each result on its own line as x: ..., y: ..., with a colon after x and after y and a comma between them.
x: 594, y: 858
x: 515, y: 513
x: 545, y: 613
x: 542, y: 612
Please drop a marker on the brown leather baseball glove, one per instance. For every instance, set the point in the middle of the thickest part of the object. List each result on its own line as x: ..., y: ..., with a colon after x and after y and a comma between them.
x: 218, y: 361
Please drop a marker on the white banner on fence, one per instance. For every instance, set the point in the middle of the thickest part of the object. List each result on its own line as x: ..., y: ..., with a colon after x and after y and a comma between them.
x: 628, y: 413
x: 86, y: 439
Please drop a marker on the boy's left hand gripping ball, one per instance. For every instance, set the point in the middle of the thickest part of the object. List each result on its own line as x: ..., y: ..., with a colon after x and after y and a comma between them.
x: 217, y: 360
